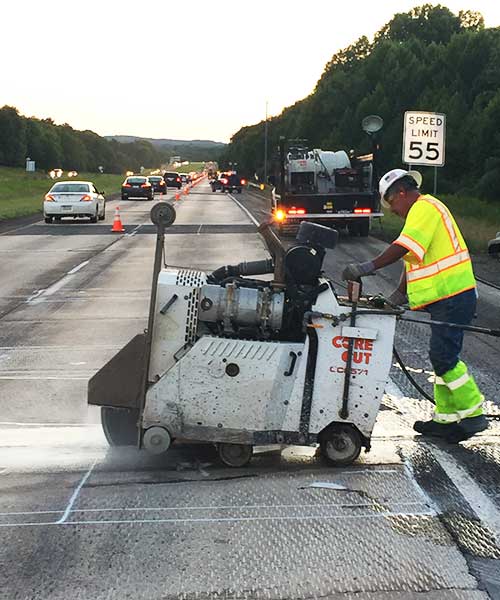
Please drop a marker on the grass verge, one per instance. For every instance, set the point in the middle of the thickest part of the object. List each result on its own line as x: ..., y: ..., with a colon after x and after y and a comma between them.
x: 22, y: 193
x: 478, y: 221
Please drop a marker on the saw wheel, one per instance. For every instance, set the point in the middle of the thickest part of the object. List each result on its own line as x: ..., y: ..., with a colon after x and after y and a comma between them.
x: 340, y: 444
x: 235, y: 455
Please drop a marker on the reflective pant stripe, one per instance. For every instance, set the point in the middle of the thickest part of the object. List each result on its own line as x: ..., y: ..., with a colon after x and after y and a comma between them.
x: 458, y: 415
x: 453, y: 385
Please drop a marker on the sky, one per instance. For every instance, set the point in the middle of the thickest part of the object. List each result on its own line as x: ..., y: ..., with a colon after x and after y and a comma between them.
x: 183, y: 70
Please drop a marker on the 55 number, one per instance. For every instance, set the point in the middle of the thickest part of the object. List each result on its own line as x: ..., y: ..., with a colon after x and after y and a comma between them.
x: 428, y: 150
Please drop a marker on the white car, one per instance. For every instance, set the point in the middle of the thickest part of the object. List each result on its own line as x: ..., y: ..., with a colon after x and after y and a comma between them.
x: 74, y: 199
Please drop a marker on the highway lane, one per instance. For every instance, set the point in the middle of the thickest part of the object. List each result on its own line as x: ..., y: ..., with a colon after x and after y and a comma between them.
x: 80, y: 520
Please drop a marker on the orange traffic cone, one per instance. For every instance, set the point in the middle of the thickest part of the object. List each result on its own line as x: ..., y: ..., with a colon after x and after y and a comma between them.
x: 117, y: 223
x: 177, y: 196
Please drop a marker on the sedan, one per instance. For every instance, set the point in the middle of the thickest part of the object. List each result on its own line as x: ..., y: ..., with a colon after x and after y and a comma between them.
x: 137, y: 186
x: 172, y: 179
x: 184, y: 178
x: 158, y: 183
x: 74, y: 199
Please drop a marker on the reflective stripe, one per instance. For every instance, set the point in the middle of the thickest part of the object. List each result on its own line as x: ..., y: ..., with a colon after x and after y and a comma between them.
x: 439, y: 265
x: 439, y: 380
x: 458, y: 415
x: 446, y: 220
x: 462, y: 380
x: 412, y: 245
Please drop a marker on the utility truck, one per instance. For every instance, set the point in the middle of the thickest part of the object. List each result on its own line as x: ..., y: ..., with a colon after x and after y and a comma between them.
x: 336, y: 189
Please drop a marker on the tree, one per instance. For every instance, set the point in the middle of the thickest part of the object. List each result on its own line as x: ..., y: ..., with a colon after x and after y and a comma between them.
x: 12, y: 137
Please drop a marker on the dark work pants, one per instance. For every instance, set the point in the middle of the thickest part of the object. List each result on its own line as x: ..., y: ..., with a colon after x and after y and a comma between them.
x: 446, y: 343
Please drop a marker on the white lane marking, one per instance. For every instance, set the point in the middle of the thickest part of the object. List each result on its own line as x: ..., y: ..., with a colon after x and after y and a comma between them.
x: 251, y: 217
x: 199, y: 229
x: 78, y: 267
x: 3, y: 471
x: 34, y: 295
x: 193, y: 508
x: 74, y: 496
x: 134, y: 231
x: 382, y: 515
x: 479, y: 502
x: 50, y: 290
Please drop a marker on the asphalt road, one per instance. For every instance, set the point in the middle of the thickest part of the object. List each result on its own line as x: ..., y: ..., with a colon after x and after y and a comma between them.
x: 411, y: 519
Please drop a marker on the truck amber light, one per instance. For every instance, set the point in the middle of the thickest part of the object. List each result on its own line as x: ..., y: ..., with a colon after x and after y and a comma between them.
x: 279, y: 215
x: 49, y: 198
x: 85, y: 198
x: 362, y: 211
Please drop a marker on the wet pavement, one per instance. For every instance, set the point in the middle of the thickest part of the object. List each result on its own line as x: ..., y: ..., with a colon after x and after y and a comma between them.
x: 411, y: 519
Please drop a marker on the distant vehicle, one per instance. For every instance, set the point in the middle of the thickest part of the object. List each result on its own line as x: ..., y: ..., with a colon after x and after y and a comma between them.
x: 172, y: 179
x: 158, y: 183
x: 228, y: 182
x: 137, y: 186
x: 494, y: 245
x: 185, y: 178
x: 76, y: 199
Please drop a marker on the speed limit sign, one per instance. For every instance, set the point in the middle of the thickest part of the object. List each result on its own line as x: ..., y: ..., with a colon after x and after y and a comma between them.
x: 424, y: 138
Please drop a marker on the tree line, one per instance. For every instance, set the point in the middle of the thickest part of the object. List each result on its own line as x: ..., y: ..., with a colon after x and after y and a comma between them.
x: 61, y: 146
x: 427, y: 59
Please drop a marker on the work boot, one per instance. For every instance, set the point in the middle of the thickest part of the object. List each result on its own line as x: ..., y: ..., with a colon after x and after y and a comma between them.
x: 467, y: 428
x: 432, y: 429
x: 452, y: 432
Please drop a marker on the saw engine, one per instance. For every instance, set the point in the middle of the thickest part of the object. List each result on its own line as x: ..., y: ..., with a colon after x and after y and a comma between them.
x: 252, y: 354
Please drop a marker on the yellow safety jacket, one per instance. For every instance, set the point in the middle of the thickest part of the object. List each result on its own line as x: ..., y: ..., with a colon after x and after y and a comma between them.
x: 437, y: 264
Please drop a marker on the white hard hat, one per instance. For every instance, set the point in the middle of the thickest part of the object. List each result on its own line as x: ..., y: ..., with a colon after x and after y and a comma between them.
x: 391, y: 177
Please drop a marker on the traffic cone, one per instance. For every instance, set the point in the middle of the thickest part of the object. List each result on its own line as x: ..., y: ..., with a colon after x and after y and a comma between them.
x: 117, y: 224
x: 177, y: 196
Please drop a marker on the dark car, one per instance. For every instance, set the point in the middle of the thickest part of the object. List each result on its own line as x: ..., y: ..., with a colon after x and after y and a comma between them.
x: 228, y: 182
x: 185, y: 178
x: 172, y: 179
x: 158, y: 183
x: 137, y: 186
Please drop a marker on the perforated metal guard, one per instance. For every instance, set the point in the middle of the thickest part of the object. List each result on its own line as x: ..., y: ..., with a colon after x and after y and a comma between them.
x: 194, y: 279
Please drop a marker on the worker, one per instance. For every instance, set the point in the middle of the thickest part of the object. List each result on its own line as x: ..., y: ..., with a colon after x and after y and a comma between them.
x: 438, y: 278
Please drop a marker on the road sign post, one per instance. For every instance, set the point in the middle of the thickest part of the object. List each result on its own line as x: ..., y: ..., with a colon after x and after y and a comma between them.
x: 424, y: 140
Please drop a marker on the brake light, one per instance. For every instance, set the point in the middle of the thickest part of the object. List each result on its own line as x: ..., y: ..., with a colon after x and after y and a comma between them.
x: 243, y: 182
x: 86, y: 198
x: 49, y: 198
x: 145, y: 185
x: 279, y: 215
x: 296, y: 211
x: 223, y: 180
x: 362, y: 211
x: 178, y: 179
x: 127, y: 185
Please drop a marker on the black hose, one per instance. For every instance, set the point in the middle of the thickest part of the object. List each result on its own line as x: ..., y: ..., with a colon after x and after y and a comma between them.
x: 410, y: 376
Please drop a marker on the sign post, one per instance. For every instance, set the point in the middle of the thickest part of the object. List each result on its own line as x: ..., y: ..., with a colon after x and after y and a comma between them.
x: 424, y: 140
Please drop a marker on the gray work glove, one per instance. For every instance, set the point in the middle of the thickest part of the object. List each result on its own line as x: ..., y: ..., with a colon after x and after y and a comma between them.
x: 397, y: 298
x: 355, y: 271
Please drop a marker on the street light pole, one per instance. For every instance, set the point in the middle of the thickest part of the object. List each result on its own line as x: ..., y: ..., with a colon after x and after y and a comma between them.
x: 265, y: 147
